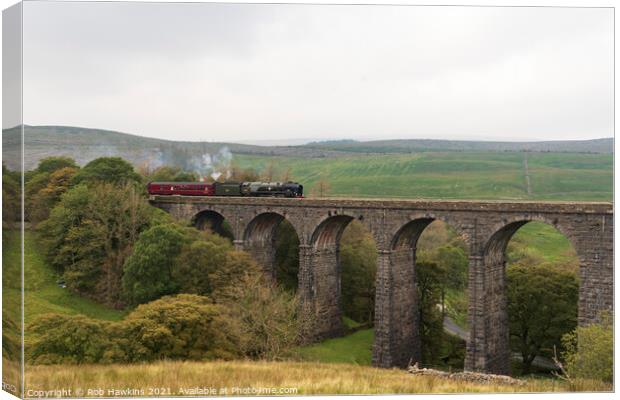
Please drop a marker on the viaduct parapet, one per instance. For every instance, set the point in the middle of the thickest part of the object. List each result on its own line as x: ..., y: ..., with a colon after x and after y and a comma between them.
x: 485, y: 226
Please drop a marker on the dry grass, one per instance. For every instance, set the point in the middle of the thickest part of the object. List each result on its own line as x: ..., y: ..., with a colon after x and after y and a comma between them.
x: 305, y: 378
x: 11, y: 376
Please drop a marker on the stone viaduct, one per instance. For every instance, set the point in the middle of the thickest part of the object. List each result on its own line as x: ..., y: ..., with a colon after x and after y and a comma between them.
x: 485, y: 226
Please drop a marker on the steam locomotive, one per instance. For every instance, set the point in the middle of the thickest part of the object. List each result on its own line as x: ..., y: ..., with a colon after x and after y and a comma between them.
x: 256, y: 189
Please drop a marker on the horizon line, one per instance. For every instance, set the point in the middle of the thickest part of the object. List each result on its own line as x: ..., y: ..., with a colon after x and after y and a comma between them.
x: 312, y: 140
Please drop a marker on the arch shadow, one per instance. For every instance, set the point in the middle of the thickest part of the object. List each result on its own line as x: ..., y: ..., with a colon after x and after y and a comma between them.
x: 213, y: 221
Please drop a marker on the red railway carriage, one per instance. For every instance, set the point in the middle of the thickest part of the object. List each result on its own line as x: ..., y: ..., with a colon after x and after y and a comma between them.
x: 181, y: 188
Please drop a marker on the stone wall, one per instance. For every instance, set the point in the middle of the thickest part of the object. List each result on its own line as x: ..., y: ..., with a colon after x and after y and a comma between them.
x: 485, y: 226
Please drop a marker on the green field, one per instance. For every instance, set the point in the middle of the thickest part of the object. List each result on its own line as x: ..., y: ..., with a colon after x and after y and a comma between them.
x: 42, y: 293
x: 451, y: 175
x: 355, y: 348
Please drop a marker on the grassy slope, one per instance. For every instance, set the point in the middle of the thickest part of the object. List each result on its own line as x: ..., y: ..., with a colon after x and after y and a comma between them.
x: 352, y: 349
x: 307, y: 378
x: 454, y: 175
x: 42, y: 294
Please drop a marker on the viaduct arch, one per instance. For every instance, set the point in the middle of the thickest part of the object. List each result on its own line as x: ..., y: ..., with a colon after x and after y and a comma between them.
x: 396, y: 225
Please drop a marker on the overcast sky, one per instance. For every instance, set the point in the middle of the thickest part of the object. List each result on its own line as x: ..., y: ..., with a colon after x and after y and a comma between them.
x: 233, y: 72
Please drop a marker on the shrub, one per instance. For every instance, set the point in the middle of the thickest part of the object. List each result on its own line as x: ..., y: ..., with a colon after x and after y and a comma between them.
x: 589, y: 351
x: 262, y: 317
x: 184, y: 326
x: 67, y: 339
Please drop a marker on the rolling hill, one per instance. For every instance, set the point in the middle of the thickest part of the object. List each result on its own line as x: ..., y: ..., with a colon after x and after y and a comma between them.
x: 85, y: 144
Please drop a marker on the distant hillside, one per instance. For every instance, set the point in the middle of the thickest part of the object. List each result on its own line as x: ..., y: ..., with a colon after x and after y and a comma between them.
x: 419, y: 145
x: 84, y: 144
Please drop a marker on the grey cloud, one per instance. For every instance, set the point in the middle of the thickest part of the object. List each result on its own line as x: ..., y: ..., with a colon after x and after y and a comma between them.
x: 250, y: 72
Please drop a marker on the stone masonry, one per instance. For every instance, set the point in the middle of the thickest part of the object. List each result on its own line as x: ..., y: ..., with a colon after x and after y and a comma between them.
x: 485, y: 226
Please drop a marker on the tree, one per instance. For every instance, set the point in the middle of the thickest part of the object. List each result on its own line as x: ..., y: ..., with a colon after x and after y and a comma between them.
x: 454, y: 261
x: 90, y: 233
x: 113, y: 170
x: 34, y: 185
x: 225, y: 279
x: 51, y: 164
x: 287, y: 256
x: 321, y: 188
x: 45, y: 184
x: 589, y: 350
x: 358, y: 263
x: 287, y: 175
x: 269, y: 171
x: 41, y: 203
x: 171, y: 174
x: 197, y: 261
x: 429, y: 277
x: 262, y: 317
x: 542, y: 307
x: 243, y: 174
x: 147, y: 273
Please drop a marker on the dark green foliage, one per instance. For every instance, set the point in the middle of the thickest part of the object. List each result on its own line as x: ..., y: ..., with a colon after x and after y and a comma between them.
x: 198, y: 260
x: 589, y: 350
x: 452, y: 354
x: 113, y: 170
x: 454, y: 261
x: 67, y: 339
x: 147, y: 273
x: 542, y: 307
x: 358, y: 263
x: 90, y: 233
x: 51, y: 164
x: 287, y: 256
x: 429, y: 277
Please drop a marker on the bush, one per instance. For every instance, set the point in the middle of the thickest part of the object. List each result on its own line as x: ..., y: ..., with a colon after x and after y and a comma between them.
x: 589, y: 351
x: 262, y: 317
x: 187, y: 327
x: 67, y: 339
x: 229, y: 277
